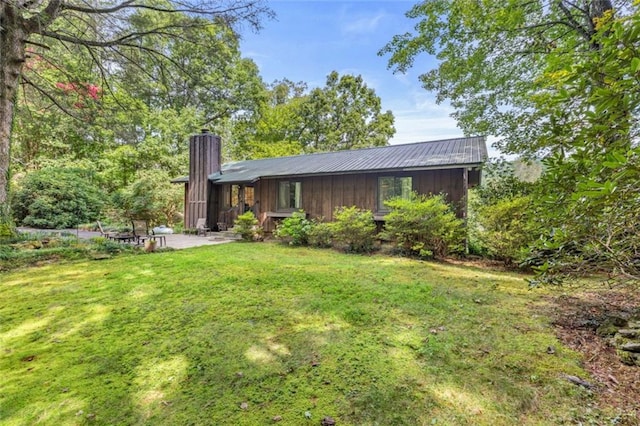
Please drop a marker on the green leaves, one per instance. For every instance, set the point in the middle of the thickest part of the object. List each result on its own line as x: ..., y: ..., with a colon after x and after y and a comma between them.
x: 557, y: 81
x: 345, y: 114
x: 58, y: 198
x: 504, y: 65
x: 425, y: 226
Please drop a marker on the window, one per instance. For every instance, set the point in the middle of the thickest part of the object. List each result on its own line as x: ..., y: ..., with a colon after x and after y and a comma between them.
x: 289, y: 195
x: 249, y: 197
x: 389, y: 187
x: 235, y: 196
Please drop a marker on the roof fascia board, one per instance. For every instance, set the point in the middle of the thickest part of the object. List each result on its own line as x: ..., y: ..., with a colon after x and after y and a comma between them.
x: 355, y: 172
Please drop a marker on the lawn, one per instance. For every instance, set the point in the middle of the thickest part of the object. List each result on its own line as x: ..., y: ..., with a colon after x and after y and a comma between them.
x: 249, y: 334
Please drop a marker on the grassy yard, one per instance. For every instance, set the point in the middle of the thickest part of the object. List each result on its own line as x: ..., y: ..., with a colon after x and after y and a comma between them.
x: 250, y: 334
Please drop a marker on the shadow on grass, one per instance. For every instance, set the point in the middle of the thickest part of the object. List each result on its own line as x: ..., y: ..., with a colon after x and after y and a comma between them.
x: 239, y: 334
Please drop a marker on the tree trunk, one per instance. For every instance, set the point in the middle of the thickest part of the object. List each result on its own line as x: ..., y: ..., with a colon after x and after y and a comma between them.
x: 12, y: 57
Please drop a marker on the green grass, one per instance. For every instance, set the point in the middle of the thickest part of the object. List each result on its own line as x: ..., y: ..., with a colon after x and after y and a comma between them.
x: 190, y: 337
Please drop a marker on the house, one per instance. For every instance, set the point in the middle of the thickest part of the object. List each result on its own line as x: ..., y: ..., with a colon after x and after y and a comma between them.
x: 318, y: 183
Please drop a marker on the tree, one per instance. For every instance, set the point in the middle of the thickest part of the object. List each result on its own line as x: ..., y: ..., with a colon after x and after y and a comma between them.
x: 97, y: 30
x: 345, y: 114
x: 558, y: 80
x: 273, y: 130
x: 590, y: 199
x: 58, y: 198
x: 593, y: 195
x: 493, y: 57
x: 153, y: 198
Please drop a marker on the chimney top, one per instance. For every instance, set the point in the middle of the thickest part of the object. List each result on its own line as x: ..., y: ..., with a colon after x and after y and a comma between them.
x: 204, y: 130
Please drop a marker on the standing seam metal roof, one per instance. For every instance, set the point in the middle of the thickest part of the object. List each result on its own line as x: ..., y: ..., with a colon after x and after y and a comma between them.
x: 446, y: 153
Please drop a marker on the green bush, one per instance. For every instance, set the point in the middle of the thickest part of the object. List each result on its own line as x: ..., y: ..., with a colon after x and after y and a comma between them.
x: 105, y: 245
x: 7, y: 231
x: 423, y: 225
x: 57, y: 198
x: 246, y: 225
x: 7, y: 226
x: 506, y: 228
x: 320, y: 234
x: 295, y: 229
x: 152, y: 197
x: 355, y: 228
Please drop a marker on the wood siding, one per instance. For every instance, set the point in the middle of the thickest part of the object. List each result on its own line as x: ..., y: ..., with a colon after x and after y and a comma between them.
x: 204, y: 159
x: 322, y: 194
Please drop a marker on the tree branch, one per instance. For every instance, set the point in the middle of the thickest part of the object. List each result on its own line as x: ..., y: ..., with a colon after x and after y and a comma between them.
x: 252, y: 8
x: 572, y: 21
x: 121, y: 41
x: 47, y: 95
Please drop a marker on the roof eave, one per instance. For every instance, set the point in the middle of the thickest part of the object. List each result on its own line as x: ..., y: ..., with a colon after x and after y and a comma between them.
x: 348, y: 172
x: 181, y: 179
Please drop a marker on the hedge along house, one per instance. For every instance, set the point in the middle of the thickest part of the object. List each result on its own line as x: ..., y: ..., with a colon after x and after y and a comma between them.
x: 273, y: 188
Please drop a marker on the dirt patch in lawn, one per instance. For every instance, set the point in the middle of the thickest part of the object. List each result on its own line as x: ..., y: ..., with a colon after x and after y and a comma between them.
x: 577, y: 318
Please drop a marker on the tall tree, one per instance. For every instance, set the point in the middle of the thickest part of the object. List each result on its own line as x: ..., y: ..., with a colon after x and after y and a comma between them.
x: 492, y: 56
x: 97, y: 29
x: 591, y: 188
x: 273, y: 131
x: 202, y: 80
x: 345, y: 114
x: 557, y: 80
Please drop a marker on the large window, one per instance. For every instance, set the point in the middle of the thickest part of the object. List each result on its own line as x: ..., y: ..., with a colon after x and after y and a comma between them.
x: 289, y: 195
x: 390, y: 187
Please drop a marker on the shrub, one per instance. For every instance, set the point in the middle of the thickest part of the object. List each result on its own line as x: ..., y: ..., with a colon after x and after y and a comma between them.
x: 423, y: 225
x: 7, y: 230
x: 57, y: 198
x: 320, y: 234
x: 506, y: 228
x: 354, y: 227
x: 295, y: 229
x: 28, y: 249
x: 152, y: 197
x: 246, y: 225
x: 7, y: 226
x: 105, y: 245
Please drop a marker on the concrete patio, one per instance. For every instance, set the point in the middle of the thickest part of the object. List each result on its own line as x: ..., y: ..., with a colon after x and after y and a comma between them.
x: 175, y: 241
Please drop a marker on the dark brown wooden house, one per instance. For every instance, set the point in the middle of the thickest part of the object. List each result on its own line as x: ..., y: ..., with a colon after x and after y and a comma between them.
x: 318, y: 183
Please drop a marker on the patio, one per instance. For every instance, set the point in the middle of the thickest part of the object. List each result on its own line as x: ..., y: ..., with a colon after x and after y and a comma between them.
x: 175, y: 241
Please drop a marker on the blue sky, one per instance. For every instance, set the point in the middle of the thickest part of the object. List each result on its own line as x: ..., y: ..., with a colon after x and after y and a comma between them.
x: 309, y: 39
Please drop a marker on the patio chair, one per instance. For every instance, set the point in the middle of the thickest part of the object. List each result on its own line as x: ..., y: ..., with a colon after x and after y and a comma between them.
x: 140, y: 231
x: 142, y: 234
x: 121, y: 237
x: 201, y: 227
x: 107, y: 234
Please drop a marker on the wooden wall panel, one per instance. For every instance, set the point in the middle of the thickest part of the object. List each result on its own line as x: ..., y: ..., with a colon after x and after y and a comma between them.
x: 204, y: 159
x: 322, y: 194
x: 359, y: 196
x: 348, y: 190
x: 370, y: 192
x: 315, y: 185
x: 337, y: 192
x: 327, y: 197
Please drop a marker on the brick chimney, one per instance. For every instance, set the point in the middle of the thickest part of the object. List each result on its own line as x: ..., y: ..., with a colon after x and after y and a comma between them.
x: 205, y: 158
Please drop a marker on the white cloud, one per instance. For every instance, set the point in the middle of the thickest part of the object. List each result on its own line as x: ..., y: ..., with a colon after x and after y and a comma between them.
x: 361, y: 24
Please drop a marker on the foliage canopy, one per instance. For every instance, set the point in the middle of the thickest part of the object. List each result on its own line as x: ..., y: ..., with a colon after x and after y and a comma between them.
x: 556, y: 80
x: 57, y: 198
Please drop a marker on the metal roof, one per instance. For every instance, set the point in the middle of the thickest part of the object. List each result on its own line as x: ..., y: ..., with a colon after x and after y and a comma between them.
x: 422, y: 155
